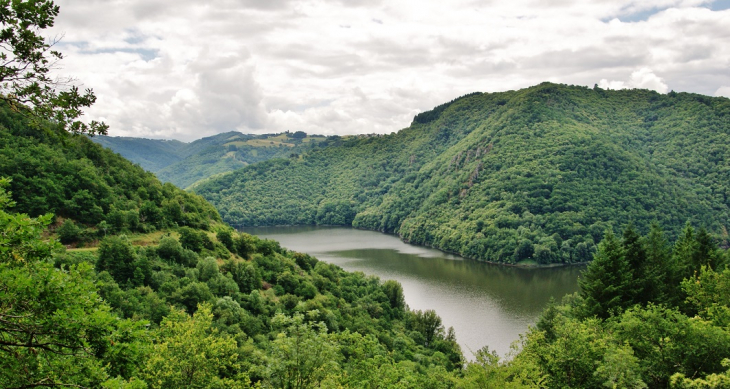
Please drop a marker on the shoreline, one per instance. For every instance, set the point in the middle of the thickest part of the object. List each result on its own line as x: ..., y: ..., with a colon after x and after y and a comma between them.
x: 523, y: 266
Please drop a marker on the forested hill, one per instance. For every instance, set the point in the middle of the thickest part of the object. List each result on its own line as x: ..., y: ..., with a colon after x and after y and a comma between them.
x: 151, y: 154
x: 170, y: 297
x: 534, y: 174
x: 185, y: 163
x: 52, y: 171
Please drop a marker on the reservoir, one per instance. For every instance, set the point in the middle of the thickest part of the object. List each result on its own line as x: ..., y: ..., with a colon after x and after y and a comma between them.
x: 488, y: 305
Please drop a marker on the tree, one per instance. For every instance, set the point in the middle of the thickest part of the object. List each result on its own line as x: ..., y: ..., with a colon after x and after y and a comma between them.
x: 194, y: 240
x: 170, y: 249
x: 26, y: 61
x: 708, y: 295
x: 394, y: 291
x: 659, y: 272
x: 69, y: 232
x: 635, y: 253
x: 524, y: 250
x: 428, y: 324
x: 190, y: 353
x: 684, y: 253
x: 302, y: 355
x: 117, y: 256
x: 55, y: 330
x: 226, y: 238
x: 606, y: 283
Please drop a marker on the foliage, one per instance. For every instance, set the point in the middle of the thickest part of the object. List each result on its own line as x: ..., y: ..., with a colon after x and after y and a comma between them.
x: 291, y: 316
x: 54, y: 328
x: 190, y: 353
x: 606, y: 284
x: 27, y: 61
x: 611, y: 337
x: 537, y: 174
x: 86, y: 184
x: 303, y: 354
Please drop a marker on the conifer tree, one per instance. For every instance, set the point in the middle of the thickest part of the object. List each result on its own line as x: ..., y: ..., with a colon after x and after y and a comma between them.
x: 606, y: 284
x: 658, y: 278
x: 706, y: 252
x: 684, y: 251
x: 636, y: 258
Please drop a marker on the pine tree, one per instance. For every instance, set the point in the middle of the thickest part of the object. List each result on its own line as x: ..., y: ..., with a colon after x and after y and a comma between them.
x: 705, y: 252
x: 659, y: 271
x: 684, y: 252
x: 635, y: 254
x: 606, y: 283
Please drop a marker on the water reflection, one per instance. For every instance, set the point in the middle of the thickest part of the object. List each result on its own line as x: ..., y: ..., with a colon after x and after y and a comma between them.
x: 486, y: 304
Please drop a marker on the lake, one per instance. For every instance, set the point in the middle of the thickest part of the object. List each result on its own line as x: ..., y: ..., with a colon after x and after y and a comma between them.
x: 488, y: 305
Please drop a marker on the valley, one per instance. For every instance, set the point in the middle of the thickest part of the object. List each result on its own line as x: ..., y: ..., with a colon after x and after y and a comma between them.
x: 487, y: 305
x: 552, y: 236
x: 533, y: 175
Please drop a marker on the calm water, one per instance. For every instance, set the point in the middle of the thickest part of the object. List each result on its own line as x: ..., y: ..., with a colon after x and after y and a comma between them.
x: 486, y: 304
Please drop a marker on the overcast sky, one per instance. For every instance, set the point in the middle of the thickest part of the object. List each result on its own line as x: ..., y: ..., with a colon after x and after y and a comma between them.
x: 185, y: 69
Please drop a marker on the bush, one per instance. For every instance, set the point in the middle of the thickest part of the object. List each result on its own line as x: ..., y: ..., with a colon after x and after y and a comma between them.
x: 194, y: 240
x: 69, y: 232
x: 170, y: 250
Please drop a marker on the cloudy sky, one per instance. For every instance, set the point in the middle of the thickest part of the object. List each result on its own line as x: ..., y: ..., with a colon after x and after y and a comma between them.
x: 185, y: 69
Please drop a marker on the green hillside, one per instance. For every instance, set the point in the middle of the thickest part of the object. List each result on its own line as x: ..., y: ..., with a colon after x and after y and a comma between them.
x: 164, y: 295
x: 73, y: 178
x: 537, y: 173
x: 182, y: 164
x: 151, y: 154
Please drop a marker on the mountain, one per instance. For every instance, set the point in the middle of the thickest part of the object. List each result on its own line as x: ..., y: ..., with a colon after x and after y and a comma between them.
x: 151, y: 154
x: 536, y: 174
x: 182, y: 164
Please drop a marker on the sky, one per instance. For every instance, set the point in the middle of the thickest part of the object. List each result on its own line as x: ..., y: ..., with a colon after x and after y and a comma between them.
x: 186, y: 69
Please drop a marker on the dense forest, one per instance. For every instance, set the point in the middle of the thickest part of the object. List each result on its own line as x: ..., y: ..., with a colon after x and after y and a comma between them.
x: 188, y: 312
x: 648, y: 315
x: 79, y: 181
x: 228, y: 310
x: 167, y: 296
x: 111, y: 279
x: 183, y: 164
x: 532, y: 175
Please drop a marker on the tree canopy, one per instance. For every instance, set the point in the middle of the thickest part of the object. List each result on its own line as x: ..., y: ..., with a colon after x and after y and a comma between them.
x: 533, y: 175
x: 27, y: 59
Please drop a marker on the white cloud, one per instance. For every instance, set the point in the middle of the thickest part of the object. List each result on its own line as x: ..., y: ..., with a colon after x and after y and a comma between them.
x: 642, y: 78
x: 723, y: 91
x: 185, y: 69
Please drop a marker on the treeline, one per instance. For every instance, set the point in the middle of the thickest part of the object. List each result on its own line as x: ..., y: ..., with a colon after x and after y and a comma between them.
x: 648, y: 315
x: 533, y: 175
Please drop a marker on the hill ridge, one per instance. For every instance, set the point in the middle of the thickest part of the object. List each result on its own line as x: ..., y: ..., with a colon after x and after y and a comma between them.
x: 548, y: 167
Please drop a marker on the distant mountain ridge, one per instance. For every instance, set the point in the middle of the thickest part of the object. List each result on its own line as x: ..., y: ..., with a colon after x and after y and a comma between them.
x: 150, y: 154
x: 536, y: 174
x: 183, y: 163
